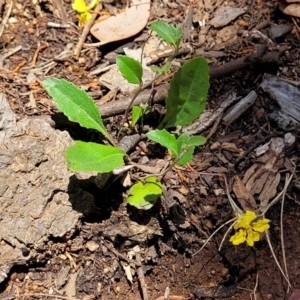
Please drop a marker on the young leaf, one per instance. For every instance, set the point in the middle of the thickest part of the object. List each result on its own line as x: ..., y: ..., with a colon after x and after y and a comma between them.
x: 187, y: 155
x: 137, y: 112
x: 197, y: 140
x: 75, y: 103
x: 187, y: 94
x: 144, y: 196
x: 130, y: 68
x: 167, y: 32
x: 89, y: 157
x: 165, y: 69
x: 164, y: 138
x: 186, y: 146
x: 185, y: 139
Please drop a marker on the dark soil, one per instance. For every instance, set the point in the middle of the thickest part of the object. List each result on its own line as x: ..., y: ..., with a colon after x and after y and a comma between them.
x: 167, y: 249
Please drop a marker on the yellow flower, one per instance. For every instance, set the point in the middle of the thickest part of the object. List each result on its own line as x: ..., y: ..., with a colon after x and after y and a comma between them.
x: 83, y: 10
x: 248, y: 230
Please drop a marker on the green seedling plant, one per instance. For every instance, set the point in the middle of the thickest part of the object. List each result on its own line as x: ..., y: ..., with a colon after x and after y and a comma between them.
x: 132, y: 70
x: 138, y: 112
x: 80, y: 108
x: 185, y: 102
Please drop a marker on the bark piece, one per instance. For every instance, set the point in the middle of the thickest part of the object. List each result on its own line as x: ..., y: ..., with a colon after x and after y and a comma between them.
x: 34, y: 187
x: 286, y: 95
x: 263, y: 177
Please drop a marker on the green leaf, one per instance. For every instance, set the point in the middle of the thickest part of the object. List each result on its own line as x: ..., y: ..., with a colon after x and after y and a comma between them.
x: 130, y: 68
x: 89, y: 157
x: 167, y: 32
x: 137, y: 112
x: 187, y: 156
x: 75, y: 103
x: 187, y: 94
x: 185, y: 139
x: 197, y: 140
x: 144, y: 195
x: 164, y: 138
x: 186, y: 146
x: 165, y: 69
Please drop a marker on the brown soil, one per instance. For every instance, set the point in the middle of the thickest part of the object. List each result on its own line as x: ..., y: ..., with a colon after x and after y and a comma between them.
x: 168, y: 259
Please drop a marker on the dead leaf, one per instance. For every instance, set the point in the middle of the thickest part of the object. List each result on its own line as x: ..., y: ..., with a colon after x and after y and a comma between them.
x: 70, y: 288
x: 262, y: 178
x: 128, y: 273
x: 291, y: 9
x: 244, y: 196
x: 125, y: 24
x: 295, y: 295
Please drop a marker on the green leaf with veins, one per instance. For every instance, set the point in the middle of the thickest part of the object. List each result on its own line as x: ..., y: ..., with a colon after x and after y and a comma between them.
x: 164, y: 138
x: 75, y: 104
x: 162, y: 70
x: 145, y: 195
x: 187, y: 94
x: 90, y: 157
x: 130, y: 68
x: 167, y: 32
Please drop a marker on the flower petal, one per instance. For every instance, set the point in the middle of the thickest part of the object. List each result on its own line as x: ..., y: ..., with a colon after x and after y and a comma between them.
x: 261, y: 225
x: 252, y: 236
x: 245, y: 220
x: 239, y: 237
x: 83, y: 18
x: 79, y: 6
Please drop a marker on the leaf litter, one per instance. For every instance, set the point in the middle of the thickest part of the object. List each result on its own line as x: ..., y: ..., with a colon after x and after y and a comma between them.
x: 195, y: 202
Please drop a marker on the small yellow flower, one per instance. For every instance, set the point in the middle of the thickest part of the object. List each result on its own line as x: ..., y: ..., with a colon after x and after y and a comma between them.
x: 248, y: 230
x: 83, y: 10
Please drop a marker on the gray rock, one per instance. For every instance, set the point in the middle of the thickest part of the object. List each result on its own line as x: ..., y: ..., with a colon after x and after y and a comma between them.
x: 224, y: 15
x: 277, y: 31
x: 34, y: 188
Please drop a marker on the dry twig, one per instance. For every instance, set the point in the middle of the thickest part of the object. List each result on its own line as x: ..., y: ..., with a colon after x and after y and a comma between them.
x: 141, y: 277
x: 86, y: 30
x: 5, y: 19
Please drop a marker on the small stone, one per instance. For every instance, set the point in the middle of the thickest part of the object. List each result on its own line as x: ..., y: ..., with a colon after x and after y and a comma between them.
x: 92, y: 246
x: 82, y: 61
x: 277, y: 31
x: 62, y: 256
x: 12, y: 20
x: 215, y: 146
x: 31, y: 30
x: 225, y: 15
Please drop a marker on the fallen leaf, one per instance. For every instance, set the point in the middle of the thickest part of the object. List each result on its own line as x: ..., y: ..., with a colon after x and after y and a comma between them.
x: 244, y: 196
x: 291, y: 9
x: 295, y: 295
x: 127, y: 270
x: 125, y: 24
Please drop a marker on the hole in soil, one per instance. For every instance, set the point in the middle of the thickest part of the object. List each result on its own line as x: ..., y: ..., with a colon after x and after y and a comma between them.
x: 95, y: 204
